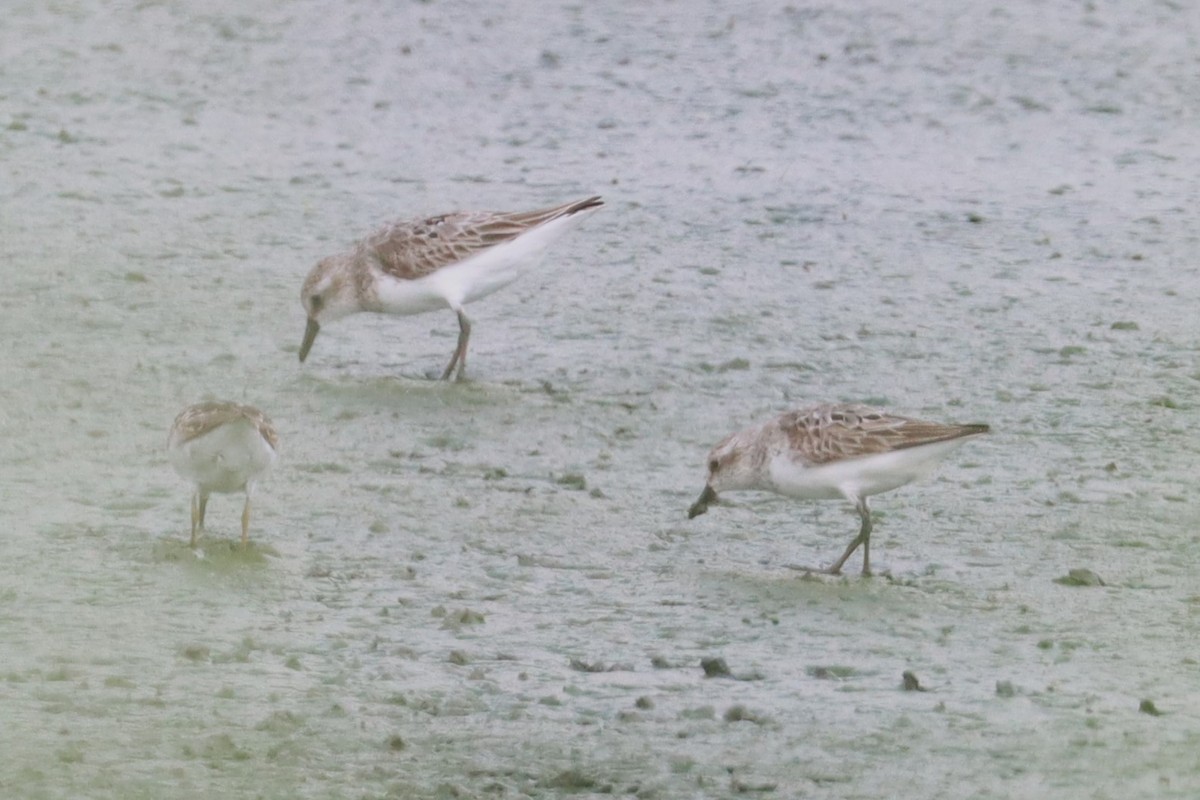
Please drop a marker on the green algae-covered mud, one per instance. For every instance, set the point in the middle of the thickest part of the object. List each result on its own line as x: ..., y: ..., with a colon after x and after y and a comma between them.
x: 490, y: 588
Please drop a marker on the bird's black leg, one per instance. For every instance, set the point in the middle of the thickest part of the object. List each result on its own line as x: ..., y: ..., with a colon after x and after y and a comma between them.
x: 460, y: 352
x: 863, y: 538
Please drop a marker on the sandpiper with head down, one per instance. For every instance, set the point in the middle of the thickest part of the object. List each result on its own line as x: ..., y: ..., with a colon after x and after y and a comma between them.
x: 831, y: 451
x: 446, y: 261
x: 222, y: 447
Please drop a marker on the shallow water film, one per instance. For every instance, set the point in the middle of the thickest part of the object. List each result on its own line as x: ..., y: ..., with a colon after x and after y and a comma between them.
x: 963, y: 212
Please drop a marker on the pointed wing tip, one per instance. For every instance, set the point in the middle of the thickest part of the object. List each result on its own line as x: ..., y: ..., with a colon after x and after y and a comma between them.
x: 594, y: 201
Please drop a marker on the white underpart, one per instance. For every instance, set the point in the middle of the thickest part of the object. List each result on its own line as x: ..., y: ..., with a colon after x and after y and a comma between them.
x: 478, y: 276
x: 408, y: 297
x: 854, y: 478
x: 229, y: 458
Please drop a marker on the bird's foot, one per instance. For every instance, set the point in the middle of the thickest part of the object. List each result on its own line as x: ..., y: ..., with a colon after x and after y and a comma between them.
x: 819, y: 570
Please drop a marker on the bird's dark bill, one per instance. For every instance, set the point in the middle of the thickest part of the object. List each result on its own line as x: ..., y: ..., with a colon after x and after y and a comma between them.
x: 701, y: 505
x: 310, y: 335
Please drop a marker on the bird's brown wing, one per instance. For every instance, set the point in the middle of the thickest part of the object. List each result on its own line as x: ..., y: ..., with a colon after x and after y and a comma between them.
x: 412, y: 249
x: 197, y: 420
x: 835, y: 432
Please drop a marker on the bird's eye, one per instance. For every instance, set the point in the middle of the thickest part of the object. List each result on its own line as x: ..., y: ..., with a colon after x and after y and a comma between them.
x: 315, y: 302
x: 712, y: 465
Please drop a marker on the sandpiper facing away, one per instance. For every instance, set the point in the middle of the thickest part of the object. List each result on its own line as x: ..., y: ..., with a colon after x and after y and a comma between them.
x: 222, y: 447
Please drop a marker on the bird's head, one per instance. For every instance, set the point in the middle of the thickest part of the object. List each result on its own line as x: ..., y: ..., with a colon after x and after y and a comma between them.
x: 328, y: 294
x: 728, y: 468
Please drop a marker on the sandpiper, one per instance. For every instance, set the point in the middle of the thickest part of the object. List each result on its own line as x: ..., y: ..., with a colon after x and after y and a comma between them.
x: 446, y: 261
x: 830, y: 451
x: 222, y: 447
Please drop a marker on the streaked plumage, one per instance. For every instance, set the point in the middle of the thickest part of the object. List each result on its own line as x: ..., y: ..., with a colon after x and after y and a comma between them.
x: 222, y: 447
x: 830, y: 451
x: 445, y: 261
